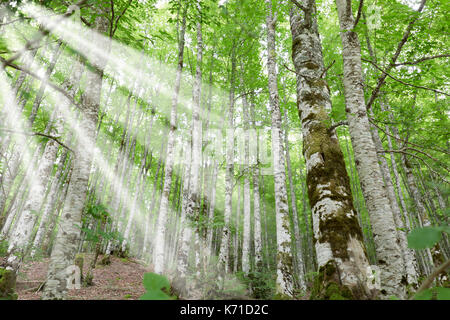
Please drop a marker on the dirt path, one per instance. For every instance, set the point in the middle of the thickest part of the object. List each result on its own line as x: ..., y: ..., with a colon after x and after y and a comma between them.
x: 121, y: 280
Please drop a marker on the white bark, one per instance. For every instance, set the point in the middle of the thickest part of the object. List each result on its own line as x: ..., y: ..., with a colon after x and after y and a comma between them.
x: 409, y: 261
x: 298, y: 241
x: 192, y: 210
x: 381, y: 216
x: 66, y: 242
x: 158, y: 257
x: 285, y: 271
x: 224, y: 250
x: 338, y: 237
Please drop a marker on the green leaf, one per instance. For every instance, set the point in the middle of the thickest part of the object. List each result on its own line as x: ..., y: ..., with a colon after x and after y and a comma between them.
x: 423, y: 238
x: 443, y: 293
x: 155, y: 295
x: 424, y: 295
x: 153, y: 281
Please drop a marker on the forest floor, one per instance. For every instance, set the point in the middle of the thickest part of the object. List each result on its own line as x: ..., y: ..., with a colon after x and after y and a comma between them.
x: 120, y: 280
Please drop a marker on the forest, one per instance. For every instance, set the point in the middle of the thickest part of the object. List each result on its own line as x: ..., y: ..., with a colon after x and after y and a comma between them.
x: 224, y: 149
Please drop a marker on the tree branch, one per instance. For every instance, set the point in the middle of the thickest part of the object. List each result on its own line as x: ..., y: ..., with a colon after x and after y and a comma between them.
x: 429, y: 280
x: 394, y: 57
x: 42, y: 33
x: 327, y: 68
x: 299, y: 5
x: 50, y: 84
x: 358, y: 15
x: 337, y: 124
x: 422, y: 60
x: 284, y: 65
x: 111, y: 26
x: 120, y: 16
x: 39, y: 134
x: 401, y: 81
x: 405, y: 141
x: 416, y: 157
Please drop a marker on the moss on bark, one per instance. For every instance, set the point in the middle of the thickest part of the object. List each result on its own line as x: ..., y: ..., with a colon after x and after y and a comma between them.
x: 327, y: 286
x: 7, y: 285
x: 337, y: 228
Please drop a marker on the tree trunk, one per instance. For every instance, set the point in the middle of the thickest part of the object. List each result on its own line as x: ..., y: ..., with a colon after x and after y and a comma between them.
x: 224, y: 250
x: 388, y: 251
x: 298, y: 241
x: 341, y: 256
x: 158, y: 256
x: 285, y: 272
x: 66, y: 243
x: 193, y: 200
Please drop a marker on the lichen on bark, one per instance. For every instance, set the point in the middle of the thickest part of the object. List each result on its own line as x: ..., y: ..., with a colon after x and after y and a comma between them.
x: 342, y: 258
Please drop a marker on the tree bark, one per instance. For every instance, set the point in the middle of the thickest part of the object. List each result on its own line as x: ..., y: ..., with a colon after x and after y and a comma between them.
x: 388, y: 252
x: 339, y: 244
x: 66, y: 243
x: 158, y: 257
x: 285, y: 272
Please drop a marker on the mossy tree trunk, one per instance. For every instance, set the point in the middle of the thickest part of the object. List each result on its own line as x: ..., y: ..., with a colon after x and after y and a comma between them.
x: 341, y: 256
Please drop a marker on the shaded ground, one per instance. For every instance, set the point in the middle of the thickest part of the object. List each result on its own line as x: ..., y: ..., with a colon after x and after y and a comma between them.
x: 121, y: 280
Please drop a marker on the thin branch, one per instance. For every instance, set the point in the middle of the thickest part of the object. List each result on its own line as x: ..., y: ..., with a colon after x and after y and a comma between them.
x: 284, y: 65
x: 402, y: 82
x: 41, y: 135
x: 85, y: 21
x: 411, y: 63
x: 13, y: 21
x: 416, y: 157
x: 429, y: 280
x: 299, y: 5
x: 358, y: 15
x: 427, y: 155
x: 394, y: 58
x: 111, y: 26
x: 327, y: 68
x: 120, y: 16
x: 42, y: 33
x: 405, y: 141
x: 337, y: 124
x: 50, y: 84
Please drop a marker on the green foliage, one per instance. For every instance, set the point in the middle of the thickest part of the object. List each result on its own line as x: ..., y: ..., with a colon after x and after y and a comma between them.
x: 3, y: 248
x: 426, y: 237
x: 99, y: 212
x: 261, y: 284
x: 156, y: 286
x: 436, y: 293
x: 101, y: 216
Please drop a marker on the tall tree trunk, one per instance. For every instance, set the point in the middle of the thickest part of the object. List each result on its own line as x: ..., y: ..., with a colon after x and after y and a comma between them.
x: 66, y: 243
x: 158, y: 257
x: 388, y: 252
x: 409, y: 260
x: 246, y: 254
x: 256, y: 201
x: 285, y: 272
x: 224, y: 250
x: 341, y: 255
x: 300, y: 272
x: 193, y: 200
